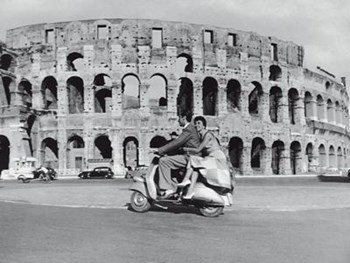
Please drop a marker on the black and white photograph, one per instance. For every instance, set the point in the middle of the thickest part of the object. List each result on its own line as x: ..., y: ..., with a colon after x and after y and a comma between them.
x: 167, y: 131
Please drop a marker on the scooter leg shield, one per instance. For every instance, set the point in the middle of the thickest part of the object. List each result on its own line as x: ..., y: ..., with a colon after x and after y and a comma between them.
x: 208, y: 195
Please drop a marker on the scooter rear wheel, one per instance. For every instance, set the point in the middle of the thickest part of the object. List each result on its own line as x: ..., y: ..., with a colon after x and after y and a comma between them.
x: 139, y: 202
x: 211, y: 211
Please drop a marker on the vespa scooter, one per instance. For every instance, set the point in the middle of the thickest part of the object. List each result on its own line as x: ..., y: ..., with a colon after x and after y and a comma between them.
x: 145, y: 195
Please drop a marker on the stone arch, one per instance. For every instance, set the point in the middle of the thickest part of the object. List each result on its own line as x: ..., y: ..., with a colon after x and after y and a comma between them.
x: 339, y: 158
x: 233, y: 95
x: 6, y: 62
x: 235, y: 149
x: 32, y: 126
x: 293, y: 98
x: 255, y: 99
x: 320, y: 108
x: 75, y: 89
x: 277, y: 152
x: 309, y: 154
x: 275, y: 73
x: 131, y: 91
x: 210, y: 96
x: 185, y: 96
x: 184, y: 63
x: 103, y: 93
x: 322, y: 154
x: 49, y: 91
x: 75, y: 62
x: 75, y: 152
x: 327, y: 85
x: 4, y: 153
x: 331, y: 157
x: 276, y: 104
x: 5, y: 95
x: 157, y: 141
x: 257, y: 153
x: 49, y: 152
x: 308, y: 105
x: 103, y: 148
x: 157, y: 93
x: 338, y: 112
x: 330, y: 115
x: 295, y: 157
x: 25, y: 90
x: 131, y: 152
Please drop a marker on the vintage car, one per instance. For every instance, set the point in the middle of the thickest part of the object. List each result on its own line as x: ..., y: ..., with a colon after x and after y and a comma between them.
x: 98, y: 172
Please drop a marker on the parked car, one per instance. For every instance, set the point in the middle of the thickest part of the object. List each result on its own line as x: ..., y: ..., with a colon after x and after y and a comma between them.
x: 98, y: 172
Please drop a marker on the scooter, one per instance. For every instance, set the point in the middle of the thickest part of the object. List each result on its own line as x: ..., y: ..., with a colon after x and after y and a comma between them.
x: 145, y: 194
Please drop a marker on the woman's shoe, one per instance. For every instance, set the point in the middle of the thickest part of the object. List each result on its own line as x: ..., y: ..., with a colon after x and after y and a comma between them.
x: 188, y: 196
x: 184, y: 183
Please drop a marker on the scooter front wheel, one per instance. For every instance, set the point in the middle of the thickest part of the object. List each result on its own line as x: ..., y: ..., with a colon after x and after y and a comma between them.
x: 139, y: 202
x: 211, y: 211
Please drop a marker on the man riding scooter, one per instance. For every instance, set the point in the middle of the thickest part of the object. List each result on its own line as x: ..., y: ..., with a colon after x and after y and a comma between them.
x: 188, y: 138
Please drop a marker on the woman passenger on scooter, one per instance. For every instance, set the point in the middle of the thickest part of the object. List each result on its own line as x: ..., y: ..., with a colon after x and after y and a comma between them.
x: 213, y: 165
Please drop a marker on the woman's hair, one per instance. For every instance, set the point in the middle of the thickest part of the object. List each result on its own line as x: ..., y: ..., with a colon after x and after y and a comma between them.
x: 201, y: 119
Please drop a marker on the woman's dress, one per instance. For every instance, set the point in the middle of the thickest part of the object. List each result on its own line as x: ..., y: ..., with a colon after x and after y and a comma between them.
x: 213, y: 165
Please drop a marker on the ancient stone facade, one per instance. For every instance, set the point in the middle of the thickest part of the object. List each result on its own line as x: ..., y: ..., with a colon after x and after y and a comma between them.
x: 83, y: 93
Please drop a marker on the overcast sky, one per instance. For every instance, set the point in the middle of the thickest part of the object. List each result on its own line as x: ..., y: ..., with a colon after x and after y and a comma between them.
x: 322, y: 26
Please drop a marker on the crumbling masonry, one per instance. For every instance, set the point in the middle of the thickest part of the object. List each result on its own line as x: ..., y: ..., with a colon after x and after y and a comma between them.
x: 103, y: 92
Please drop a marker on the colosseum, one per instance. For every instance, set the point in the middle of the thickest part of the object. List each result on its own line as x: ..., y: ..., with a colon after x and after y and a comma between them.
x: 76, y: 95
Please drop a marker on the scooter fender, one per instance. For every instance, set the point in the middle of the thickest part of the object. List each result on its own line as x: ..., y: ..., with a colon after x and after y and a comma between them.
x: 208, y: 195
x: 139, y: 187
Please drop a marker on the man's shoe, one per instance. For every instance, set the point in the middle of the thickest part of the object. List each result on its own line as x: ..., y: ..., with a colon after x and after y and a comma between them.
x: 188, y: 196
x: 184, y: 183
x: 167, y: 194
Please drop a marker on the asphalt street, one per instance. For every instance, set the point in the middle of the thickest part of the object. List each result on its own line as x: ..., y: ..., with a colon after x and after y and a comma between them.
x: 89, y: 221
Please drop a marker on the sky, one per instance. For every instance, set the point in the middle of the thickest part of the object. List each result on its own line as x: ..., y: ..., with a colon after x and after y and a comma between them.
x: 322, y: 26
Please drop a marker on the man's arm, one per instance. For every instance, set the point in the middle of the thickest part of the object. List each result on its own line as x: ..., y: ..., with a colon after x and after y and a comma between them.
x: 175, y: 144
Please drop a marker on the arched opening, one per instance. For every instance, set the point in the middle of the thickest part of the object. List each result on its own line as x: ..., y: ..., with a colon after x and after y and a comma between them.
x: 330, y: 115
x: 338, y: 113
x: 293, y: 98
x: 75, y: 153
x: 322, y: 155
x: 255, y: 98
x: 32, y: 131
x: 5, y: 96
x: 185, y: 96
x: 331, y: 157
x: 49, y: 90
x: 295, y: 157
x: 339, y: 158
x: 103, y: 148
x: 75, y: 88
x: 4, y: 152
x: 210, y: 90
x: 275, y: 110
x: 277, y: 151
x: 5, y: 61
x: 131, y: 92
x: 235, y: 149
x: 157, y: 92
x: 275, y: 73
x: 158, y: 141
x: 233, y: 93
x: 309, y: 154
x: 131, y: 152
x: 103, y: 93
x: 308, y: 105
x: 25, y: 89
x: 184, y: 63
x: 257, y: 153
x: 75, y: 61
x: 320, y: 105
x: 49, y: 153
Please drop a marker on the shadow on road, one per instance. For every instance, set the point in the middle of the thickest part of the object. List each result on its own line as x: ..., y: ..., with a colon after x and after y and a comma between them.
x: 174, y: 209
x: 333, y: 179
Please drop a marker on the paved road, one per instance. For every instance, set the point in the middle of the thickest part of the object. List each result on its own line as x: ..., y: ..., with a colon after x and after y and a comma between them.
x: 87, y: 221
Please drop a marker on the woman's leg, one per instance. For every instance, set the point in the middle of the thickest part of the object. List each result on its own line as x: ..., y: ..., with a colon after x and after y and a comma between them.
x: 187, y: 177
x: 190, y: 191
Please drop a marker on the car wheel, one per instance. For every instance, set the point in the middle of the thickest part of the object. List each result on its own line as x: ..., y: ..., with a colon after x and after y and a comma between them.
x: 139, y: 202
x: 211, y: 211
